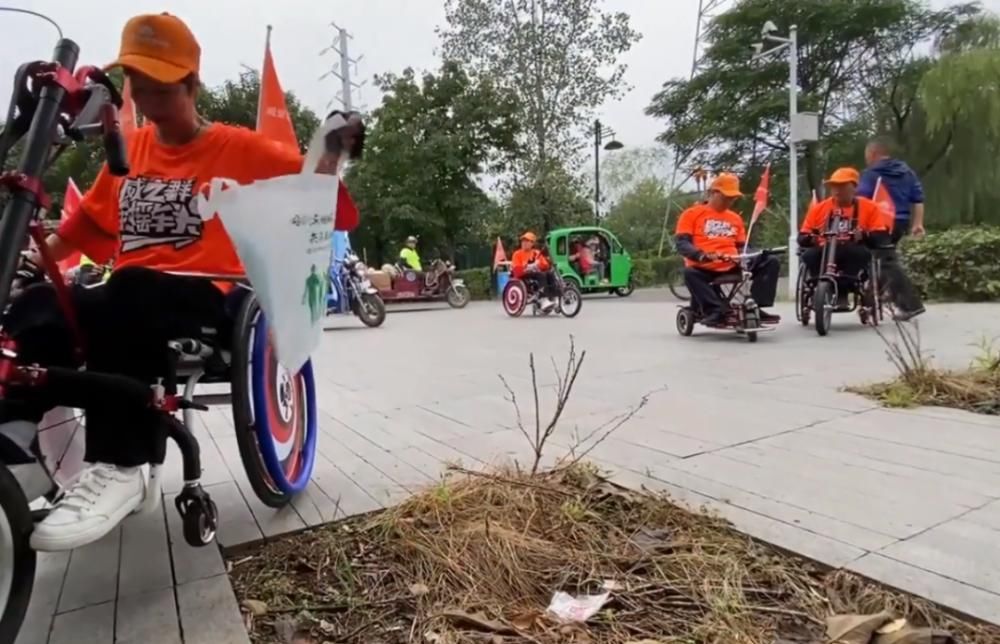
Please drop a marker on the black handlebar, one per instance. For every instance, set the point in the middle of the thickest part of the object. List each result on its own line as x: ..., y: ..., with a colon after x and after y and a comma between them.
x: 114, y: 142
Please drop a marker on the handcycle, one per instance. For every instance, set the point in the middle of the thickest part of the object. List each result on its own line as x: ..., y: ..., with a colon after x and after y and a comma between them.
x: 274, y: 412
x: 518, y: 294
x: 834, y: 291
x: 743, y: 314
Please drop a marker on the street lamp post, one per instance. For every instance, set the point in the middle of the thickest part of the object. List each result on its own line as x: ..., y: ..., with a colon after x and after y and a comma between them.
x: 601, y: 133
x: 796, y: 134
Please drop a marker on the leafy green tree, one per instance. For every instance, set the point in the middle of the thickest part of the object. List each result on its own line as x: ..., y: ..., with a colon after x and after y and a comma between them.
x: 551, y: 199
x: 432, y: 138
x: 637, y: 218
x: 562, y: 60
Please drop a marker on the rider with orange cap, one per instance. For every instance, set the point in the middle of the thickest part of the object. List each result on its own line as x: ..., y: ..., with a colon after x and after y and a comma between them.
x: 862, y: 226
x: 530, y: 264
x: 708, y: 235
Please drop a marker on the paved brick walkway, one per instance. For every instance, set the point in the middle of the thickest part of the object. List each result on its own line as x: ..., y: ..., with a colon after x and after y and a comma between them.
x: 757, y: 432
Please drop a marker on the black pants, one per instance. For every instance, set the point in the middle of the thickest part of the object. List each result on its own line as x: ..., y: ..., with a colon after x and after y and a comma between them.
x: 544, y: 281
x: 853, y: 258
x: 900, y: 229
x: 126, y: 324
x: 765, y: 270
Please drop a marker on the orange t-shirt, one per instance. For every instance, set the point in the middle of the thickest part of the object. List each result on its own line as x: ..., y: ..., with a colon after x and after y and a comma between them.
x: 869, y: 217
x: 521, y: 258
x: 712, y: 231
x: 150, y: 218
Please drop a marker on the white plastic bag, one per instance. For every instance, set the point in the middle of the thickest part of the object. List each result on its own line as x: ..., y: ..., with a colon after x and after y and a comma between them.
x: 282, y: 230
x: 576, y: 609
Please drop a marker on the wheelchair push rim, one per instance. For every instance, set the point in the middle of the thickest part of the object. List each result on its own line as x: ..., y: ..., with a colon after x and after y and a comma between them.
x: 283, y: 413
x: 7, y: 558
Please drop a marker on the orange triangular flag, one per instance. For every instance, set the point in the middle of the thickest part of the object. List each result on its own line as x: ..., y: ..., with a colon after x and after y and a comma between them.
x: 127, y: 116
x: 885, y: 203
x: 499, y: 256
x: 760, y: 197
x: 814, y: 201
x: 71, y: 204
x: 273, y: 120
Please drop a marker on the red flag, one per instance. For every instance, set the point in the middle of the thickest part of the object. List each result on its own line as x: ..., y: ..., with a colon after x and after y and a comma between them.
x: 760, y: 197
x: 885, y: 203
x: 499, y: 256
x: 273, y: 120
x: 71, y: 204
x: 128, y: 117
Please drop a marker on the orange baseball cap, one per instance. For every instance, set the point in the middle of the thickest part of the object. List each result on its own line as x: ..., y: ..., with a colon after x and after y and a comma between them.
x: 844, y: 175
x: 160, y: 46
x: 728, y: 184
x: 530, y: 236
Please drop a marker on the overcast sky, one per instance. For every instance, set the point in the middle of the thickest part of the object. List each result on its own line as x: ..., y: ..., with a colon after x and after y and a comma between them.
x: 390, y: 34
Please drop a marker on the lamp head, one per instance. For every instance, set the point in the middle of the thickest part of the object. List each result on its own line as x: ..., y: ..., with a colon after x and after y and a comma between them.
x: 768, y: 29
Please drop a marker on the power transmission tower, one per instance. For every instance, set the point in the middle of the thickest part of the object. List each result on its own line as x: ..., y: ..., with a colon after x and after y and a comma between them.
x: 342, y: 68
x: 708, y: 10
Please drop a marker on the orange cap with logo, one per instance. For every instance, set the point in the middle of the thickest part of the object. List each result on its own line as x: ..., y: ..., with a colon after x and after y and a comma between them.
x: 160, y: 46
x: 844, y: 175
x: 727, y: 184
x: 530, y: 236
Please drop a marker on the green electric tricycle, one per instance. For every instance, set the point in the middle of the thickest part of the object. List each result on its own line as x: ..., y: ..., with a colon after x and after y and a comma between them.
x: 611, y: 269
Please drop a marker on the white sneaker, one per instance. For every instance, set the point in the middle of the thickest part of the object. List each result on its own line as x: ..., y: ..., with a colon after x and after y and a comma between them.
x: 100, y: 499
x: 548, y: 303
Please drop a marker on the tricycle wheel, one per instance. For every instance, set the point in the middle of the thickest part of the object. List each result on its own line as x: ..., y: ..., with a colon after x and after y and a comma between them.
x: 625, y: 291
x: 802, y: 304
x: 17, y: 559
x: 571, y: 301
x: 514, y: 297
x: 371, y: 310
x: 201, y: 523
x: 751, y: 336
x: 458, y: 296
x: 274, y: 413
x: 685, y: 321
x: 823, y: 303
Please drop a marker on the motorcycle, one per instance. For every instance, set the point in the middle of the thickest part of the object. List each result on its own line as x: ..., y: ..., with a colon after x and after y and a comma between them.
x: 351, y: 291
x: 400, y: 283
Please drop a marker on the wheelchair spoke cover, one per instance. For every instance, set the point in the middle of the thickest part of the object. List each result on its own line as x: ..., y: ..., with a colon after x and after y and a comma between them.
x: 284, y: 414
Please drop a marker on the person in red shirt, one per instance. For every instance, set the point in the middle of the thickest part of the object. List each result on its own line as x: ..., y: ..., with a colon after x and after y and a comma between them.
x: 530, y: 264
x: 708, y: 235
x: 580, y: 258
x: 862, y: 226
x: 150, y: 223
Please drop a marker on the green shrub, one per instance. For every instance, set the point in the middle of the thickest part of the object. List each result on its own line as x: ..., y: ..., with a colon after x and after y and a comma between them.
x: 957, y: 264
x: 479, y: 281
x: 656, y: 271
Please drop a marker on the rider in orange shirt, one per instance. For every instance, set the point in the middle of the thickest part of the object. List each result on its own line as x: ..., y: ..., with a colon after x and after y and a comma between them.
x: 710, y: 233
x: 530, y: 264
x: 862, y: 227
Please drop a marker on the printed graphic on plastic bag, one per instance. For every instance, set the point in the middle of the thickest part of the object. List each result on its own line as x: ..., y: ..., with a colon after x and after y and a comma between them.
x: 282, y: 230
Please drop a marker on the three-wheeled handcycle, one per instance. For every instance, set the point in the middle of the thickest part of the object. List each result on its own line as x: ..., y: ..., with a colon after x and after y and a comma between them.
x: 742, y: 312
x: 274, y: 411
x: 835, y: 291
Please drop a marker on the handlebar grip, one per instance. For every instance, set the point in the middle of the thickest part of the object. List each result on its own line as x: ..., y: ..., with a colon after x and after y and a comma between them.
x: 114, y: 143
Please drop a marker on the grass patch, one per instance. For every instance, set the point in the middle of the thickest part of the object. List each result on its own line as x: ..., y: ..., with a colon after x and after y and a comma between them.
x: 481, y: 563
x: 919, y: 383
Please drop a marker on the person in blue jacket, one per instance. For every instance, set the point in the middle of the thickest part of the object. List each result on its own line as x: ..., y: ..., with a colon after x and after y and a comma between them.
x: 902, y: 183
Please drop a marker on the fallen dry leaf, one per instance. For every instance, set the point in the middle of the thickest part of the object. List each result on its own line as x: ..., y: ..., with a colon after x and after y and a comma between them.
x: 892, y: 627
x: 255, y: 607
x: 854, y: 629
x: 478, y: 621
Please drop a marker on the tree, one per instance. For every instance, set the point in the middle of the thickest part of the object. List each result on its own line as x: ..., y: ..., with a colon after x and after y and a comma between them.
x: 431, y: 139
x: 560, y: 57
x: 552, y: 199
x: 637, y: 217
x: 734, y: 112
x: 621, y: 171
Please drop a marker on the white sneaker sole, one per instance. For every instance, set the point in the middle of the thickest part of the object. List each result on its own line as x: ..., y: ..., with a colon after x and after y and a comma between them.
x: 78, y: 539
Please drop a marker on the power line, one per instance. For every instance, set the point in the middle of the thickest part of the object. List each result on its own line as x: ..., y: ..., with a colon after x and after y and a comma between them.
x: 342, y: 68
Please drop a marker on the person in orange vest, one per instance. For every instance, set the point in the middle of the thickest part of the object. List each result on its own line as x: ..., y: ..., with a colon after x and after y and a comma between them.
x: 708, y: 235
x: 862, y: 228
x: 531, y: 265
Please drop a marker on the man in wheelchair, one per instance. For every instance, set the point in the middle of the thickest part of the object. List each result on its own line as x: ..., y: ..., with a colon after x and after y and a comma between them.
x: 149, y: 221
x: 863, y: 228
x: 530, y: 265
x: 708, y: 235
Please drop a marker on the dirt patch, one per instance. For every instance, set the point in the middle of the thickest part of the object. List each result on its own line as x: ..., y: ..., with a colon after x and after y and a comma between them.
x: 478, y: 557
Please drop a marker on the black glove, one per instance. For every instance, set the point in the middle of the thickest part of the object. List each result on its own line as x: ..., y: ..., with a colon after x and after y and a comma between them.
x: 806, y: 240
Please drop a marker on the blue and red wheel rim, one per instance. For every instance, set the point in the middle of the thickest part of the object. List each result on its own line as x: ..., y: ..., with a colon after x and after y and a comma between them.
x: 284, y: 414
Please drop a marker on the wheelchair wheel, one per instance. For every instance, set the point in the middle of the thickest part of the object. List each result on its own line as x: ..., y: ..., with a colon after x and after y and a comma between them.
x: 685, y: 321
x: 515, y: 298
x: 824, y: 301
x: 17, y: 559
x: 571, y: 301
x: 803, y: 307
x: 274, y: 412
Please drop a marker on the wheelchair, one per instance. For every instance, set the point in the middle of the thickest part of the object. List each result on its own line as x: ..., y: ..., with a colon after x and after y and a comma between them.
x: 518, y: 294
x: 274, y: 411
x: 733, y: 289
x: 833, y: 291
